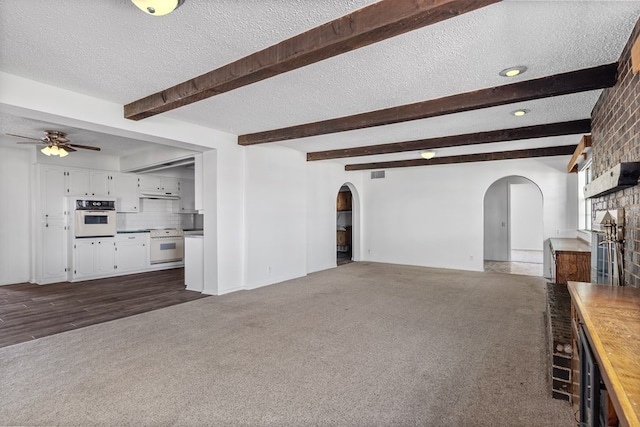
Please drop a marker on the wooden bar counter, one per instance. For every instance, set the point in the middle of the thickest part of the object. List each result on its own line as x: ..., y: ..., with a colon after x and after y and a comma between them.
x: 611, y: 317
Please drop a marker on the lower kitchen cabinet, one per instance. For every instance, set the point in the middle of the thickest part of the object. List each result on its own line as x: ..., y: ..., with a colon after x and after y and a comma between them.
x: 571, y: 260
x: 94, y: 257
x: 132, y: 252
x: 53, y: 257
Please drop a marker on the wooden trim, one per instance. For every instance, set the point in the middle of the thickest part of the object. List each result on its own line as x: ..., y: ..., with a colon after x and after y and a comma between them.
x: 468, y: 158
x: 371, y: 24
x: 560, y: 84
x: 528, y: 132
x: 635, y: 56
x: 584, y: 143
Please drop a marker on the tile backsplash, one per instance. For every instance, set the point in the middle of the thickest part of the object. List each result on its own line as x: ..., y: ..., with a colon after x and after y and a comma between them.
x: 154, y: 213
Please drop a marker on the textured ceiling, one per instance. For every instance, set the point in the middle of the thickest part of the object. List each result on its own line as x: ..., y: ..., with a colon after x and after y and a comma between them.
x: 111, y: 50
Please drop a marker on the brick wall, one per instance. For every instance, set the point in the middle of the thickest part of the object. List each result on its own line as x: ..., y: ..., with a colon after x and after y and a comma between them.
x: 559, y: 338
x: 615, y: 133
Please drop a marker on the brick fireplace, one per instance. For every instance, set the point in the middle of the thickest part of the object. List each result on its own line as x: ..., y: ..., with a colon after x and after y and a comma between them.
x: 558, y: 319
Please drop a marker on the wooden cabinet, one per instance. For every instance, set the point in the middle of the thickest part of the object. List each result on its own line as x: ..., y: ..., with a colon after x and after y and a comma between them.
x: 343, y: 237
x: 343, y: 203
x: 606, y: 335
x: 571, y: 260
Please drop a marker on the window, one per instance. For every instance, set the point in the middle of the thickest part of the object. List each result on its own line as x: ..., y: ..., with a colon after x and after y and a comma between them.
x: 584, y: 205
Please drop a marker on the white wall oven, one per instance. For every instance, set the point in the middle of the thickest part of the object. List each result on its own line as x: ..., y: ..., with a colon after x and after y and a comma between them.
x: 94, y: 218
x: 167, y: 245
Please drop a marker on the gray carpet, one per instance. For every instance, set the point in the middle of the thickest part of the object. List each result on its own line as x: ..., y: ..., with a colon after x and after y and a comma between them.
x: 359, y: 345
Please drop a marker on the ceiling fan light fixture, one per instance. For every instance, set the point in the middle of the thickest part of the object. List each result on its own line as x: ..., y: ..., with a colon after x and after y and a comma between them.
x: 428, y: 154
x: 62, y: 152
x: 157, y: 7
x: 46, y: 151
x: 54, y: 150
x: 513, y: 71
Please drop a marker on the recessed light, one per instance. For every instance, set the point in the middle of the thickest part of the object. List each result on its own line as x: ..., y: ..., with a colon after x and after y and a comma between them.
x: 428, y: 154
x: 513, y: 71
x: 519, y: 113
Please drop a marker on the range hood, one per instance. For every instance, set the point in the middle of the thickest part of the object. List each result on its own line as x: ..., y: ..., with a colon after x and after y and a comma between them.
x: 619, y: 177
x: 165, y: 196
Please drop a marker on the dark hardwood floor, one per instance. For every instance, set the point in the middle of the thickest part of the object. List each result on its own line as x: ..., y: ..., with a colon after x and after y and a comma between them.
x: 30, y: 311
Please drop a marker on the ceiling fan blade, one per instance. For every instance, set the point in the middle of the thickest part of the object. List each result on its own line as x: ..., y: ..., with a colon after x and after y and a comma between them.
x: 61, y: 139
x: 86, y: 147
x: 67, y: 148
x: 25, y: 137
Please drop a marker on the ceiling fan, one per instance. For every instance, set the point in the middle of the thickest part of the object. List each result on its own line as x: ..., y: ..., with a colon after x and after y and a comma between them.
x: 56, y: 143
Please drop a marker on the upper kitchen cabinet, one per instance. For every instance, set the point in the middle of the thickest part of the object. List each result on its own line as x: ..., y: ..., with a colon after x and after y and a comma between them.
x: 150, y: 184
x: 187, y: 196
x: 78, y: 182
x: 52, y: 192
x: 125, y: 189
x: 84, y: 182
x: 344, y: 201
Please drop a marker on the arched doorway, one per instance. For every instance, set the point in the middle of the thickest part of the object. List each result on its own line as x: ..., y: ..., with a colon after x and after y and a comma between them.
x: 346, y: 224
x: 513, y: 227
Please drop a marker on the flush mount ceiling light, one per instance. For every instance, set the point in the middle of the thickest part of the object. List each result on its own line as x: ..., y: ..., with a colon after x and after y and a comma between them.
x: 428, y: 154
x: 520, y: 113
x: 157, y: 7
x: 513, y: 71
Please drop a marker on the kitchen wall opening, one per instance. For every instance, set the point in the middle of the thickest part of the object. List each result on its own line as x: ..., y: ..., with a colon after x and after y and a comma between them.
x: 513, y: 227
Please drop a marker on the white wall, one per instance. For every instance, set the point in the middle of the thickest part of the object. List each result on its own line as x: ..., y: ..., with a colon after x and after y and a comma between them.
x: 496, y: 221
x: 525, y: 219
x: 275, y: 215
x: 15, y: 206
x: 433, y: 216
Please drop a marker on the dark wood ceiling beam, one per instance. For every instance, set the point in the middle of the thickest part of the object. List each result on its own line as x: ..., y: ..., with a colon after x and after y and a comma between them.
x: 371, y: 24
x: 515, y: 134
x: 467, y: 158
x: 560, y: 84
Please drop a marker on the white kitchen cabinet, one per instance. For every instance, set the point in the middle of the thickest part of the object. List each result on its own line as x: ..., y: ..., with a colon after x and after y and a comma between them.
x: 85, y: 182
x: 159, y: 184
x: 51, y: 239
x: 52, y: 192
x: 125, y: 189
x: 78, y: 182
x: 93, y: 258
x: 100, y: 183
x: 52, y: 256
x: 132, y: 252
x: 187, y: 196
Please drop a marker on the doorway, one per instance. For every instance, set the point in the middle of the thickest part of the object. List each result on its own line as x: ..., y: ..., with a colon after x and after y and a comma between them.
x: 513, y: 227
x: 344, y: 226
